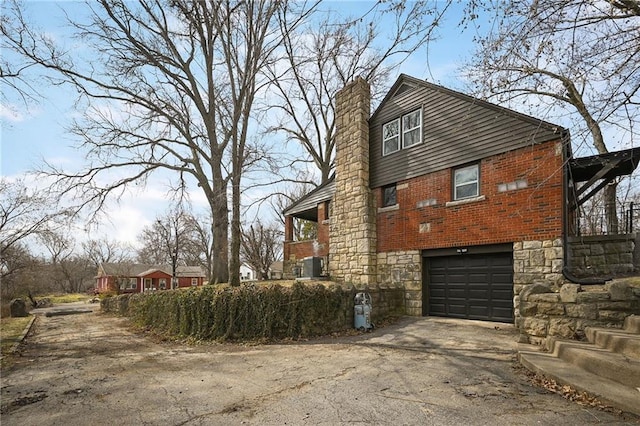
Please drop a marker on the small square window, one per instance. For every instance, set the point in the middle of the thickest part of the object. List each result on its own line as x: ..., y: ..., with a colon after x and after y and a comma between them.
x: 391, y: 137
x: 466, y: 182
x: 194, y: 281
x: 411, y: 129
x: 389, y: 196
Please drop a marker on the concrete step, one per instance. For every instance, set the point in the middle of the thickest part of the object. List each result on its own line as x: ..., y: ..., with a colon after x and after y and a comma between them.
x: 601, y: 362
x: 621, y: 341
x: 623, y: 397
x: 632, y: 324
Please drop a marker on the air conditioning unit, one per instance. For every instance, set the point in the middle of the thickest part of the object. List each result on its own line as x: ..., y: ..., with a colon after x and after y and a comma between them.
x: 312, y: 267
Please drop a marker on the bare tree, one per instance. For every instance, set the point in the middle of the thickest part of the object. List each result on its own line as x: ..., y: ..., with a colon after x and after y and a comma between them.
x: 302, y: 229
x: 14, y: 67
x: 16, y: 260
x: 198, y: 247
x: 177, y: 238
x: 323, y: 57
x: 23, y: 213
x: 168, y: 86
x: 261, y: 246
x: 67, y: 270
x: 570, y: 56
x: 106, y: 251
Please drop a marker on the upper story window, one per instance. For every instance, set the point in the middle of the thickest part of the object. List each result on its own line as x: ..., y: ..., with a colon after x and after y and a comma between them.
x: 466, y: 182
x: 411, y: 129
x: 389, y: 196
x: 391, y: 137
x: 408, y: 127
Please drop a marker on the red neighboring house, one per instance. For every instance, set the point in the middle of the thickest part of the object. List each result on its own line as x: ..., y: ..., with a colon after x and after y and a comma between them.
x: 138, y: 278
x: 458, y: 201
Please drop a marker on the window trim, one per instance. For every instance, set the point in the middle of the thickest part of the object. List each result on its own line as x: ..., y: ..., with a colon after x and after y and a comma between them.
x: 454, y: 184
x: 398, y: 136
x: 194, y: 281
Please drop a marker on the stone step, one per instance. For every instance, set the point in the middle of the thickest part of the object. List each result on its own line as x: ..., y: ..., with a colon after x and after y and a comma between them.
x: 621, y: 341
x: 610, y: 392
x: 598, y: 361
x: 632, y: 324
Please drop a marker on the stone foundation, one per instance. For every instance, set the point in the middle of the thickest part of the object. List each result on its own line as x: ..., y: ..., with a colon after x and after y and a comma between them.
x: 565, y: 313
x: 403, y: 269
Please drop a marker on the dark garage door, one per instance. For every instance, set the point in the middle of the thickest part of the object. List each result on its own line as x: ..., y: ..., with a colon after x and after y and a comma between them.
x: 474, y: 286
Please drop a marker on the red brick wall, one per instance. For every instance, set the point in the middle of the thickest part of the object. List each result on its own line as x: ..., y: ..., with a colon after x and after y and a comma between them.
x: 531, y: 213
x: 186, y: 282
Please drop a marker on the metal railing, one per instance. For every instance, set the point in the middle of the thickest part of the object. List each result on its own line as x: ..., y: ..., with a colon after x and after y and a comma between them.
x: 604, y: 220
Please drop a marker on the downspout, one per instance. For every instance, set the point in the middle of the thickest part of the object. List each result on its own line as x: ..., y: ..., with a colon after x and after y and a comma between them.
x: 566, y: 259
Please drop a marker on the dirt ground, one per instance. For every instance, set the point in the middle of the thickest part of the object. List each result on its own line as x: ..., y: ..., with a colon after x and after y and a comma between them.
x: 94, y: 369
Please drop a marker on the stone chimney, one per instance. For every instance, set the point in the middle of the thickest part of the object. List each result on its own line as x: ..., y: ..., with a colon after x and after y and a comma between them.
x: 352, y: 233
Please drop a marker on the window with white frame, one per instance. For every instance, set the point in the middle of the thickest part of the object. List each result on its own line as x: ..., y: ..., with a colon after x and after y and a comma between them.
x: 127, y: 283
x: 391, y: 137
x: 163, y: 283
x: 132, y: 284
x: 466, y: 182
x: 194, y: 281
x: 402, y: 132
x: 411, y: 129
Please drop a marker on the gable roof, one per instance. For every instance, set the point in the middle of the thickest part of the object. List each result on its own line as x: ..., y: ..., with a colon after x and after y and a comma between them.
x: 138, y: 270
x: 307, y: 206
x: 405, y: 83
x: 456, y: 129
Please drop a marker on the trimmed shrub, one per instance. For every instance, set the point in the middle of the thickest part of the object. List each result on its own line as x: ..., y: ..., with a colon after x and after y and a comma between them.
x: 248, y: 312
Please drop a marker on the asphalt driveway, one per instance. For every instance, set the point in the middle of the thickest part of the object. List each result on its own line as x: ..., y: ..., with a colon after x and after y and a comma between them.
x: 91, y: 368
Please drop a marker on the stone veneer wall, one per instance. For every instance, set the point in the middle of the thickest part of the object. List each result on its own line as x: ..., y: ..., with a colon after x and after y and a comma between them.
x: 602, y: 255
x: 352, y: 229
x: 567, y: 312
x: 403, y: 269
x: 535, y: 262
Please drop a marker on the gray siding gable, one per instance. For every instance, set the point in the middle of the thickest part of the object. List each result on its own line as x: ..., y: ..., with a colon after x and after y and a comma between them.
x: 456, y: 129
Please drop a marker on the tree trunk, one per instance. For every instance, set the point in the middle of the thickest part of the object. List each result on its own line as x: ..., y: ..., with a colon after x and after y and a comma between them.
x: 220, y: 227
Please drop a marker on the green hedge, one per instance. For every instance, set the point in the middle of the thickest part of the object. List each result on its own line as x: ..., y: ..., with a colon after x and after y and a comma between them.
x: 247, y: 312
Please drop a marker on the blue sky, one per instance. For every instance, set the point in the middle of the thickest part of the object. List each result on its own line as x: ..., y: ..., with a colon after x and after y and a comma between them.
x: 31, y: 135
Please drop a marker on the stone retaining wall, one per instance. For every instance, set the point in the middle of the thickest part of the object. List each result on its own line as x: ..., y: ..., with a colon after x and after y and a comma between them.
x: 403, y: 269
x: 386, y: 302
x: 602, y: 255
x: 566, y: 313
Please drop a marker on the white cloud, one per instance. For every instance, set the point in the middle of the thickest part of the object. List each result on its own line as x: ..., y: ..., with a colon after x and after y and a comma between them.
x: 11, y: 114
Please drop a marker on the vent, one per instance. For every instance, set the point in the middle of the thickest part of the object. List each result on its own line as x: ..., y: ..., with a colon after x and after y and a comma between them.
x: 404, y: 87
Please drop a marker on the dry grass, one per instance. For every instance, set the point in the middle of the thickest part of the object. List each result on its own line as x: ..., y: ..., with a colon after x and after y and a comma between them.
x: 10, y: 331
x: 66, y: 298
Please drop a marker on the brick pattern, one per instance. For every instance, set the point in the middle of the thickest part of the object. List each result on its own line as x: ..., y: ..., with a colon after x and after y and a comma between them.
x: 425, y: 221
x: 352, y: 234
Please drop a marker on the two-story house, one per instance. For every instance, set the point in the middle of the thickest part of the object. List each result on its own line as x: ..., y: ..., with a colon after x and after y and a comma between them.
x: 459, y: 201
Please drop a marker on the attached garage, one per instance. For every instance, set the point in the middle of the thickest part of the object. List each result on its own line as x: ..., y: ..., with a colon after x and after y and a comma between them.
x: 469, y: 283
